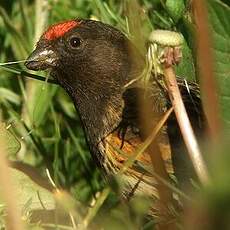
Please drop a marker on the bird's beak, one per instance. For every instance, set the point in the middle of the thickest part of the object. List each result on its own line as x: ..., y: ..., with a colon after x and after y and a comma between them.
x: 41, y: 59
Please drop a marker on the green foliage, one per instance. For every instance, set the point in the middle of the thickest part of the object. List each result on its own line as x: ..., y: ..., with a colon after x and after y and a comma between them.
x: 175, y: 9
x: 186, y: 67
x: 43, y: 119
x: 12, y: 145
x: 30, y: 197
x: 29, y: 194
x: 219, y: 14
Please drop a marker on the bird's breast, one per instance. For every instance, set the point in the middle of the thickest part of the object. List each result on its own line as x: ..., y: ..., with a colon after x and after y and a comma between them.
x: 122, y: 157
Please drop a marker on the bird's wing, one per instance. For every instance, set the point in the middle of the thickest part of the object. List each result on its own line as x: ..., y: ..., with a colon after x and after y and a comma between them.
x: 121, y: 148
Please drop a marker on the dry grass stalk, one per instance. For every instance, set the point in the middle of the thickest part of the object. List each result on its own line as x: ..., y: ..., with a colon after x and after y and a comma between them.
x: 185, y: 125
x: 13, y: 218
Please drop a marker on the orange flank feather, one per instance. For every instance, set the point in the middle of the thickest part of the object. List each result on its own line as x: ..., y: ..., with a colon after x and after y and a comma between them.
x: 128, y: 148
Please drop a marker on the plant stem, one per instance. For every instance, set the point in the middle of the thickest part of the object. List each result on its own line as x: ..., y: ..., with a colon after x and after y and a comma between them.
x: 13, y: 219
x: 140, y: 150
x: 93, y: 211
x: 185, y: 125
x: 29, y: 75
x: 37, y: 77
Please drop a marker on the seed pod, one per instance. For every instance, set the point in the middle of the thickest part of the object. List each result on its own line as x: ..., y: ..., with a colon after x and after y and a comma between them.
x: 166, y: 38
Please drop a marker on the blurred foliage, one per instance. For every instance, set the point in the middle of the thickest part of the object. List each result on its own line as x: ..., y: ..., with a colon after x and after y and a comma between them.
x: 44, y: 119
x: 12, y: 144
x: 220, y: 28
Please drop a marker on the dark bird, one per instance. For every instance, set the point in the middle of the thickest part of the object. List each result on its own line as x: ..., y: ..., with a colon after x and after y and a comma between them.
x: 94, y: 62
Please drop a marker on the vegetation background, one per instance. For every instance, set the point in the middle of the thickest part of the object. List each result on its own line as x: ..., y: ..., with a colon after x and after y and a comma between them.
x: 43, y: 129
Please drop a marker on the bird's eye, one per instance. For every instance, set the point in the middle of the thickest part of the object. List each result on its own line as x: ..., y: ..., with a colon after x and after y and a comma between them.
x: 75, y: 42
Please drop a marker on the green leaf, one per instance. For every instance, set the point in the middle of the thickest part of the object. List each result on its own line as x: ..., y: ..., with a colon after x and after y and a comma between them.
x: 12, y: 144
x: 6, y: 94
x: 39, y: 102
x: 219, y: 15
x: 20, y: 46
x: 175, y: 9
x: 186, y: 68
x: 104, y: 15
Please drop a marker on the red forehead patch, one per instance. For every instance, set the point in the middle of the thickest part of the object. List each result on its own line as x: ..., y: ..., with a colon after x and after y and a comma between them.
x: 60, y: 29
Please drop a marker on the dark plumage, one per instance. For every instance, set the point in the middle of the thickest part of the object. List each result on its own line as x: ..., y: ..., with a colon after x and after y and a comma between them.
x: 93, y: 62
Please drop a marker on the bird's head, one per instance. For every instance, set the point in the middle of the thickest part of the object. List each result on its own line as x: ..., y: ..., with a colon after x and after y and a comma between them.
x: 93, y: 62
x: 85, y: 51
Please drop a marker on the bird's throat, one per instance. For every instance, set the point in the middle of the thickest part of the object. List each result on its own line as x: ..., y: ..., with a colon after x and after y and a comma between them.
x: 99, y: 107
x: 100, y: 115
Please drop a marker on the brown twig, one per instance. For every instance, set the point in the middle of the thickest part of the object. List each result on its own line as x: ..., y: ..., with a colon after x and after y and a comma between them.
x: 185, y: 125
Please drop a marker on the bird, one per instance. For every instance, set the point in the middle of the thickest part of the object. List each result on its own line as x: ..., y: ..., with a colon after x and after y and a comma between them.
x: 94, y: 62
